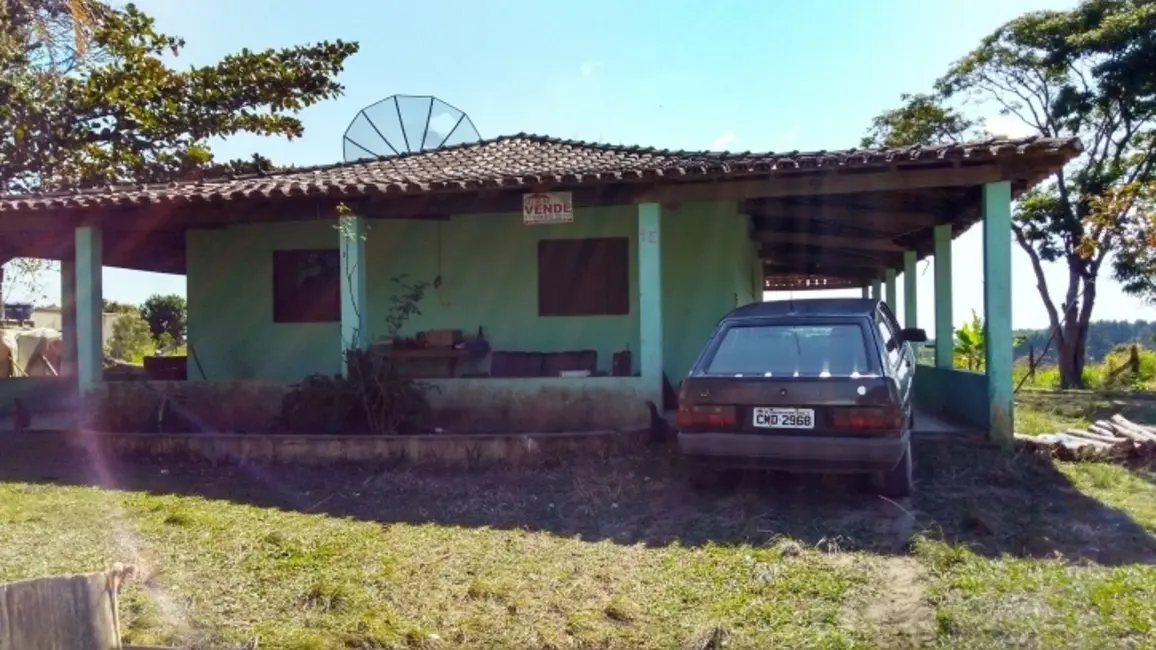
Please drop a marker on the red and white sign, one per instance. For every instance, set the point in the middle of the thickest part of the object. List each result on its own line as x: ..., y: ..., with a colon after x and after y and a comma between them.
x: 545, y: 208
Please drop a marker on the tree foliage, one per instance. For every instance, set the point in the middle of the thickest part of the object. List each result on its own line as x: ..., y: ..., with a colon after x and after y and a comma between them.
x: 122, y: 114
x: 89, y: 96
x: 130, y: 339
x: 115, y: 307
x: 166, y: 315
x: 1088, y: 72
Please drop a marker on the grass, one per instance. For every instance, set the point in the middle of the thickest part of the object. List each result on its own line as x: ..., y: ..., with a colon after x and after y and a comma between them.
x: 993, y: 551
x: 221, y: 573
x: 1049, y: 411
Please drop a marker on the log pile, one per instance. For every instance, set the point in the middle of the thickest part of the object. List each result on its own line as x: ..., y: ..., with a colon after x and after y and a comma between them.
x: 1113, y: 438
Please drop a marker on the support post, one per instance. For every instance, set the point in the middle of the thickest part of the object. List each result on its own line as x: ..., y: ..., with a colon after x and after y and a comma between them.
x: 68, y: 351
x: 944, y: 332
x: 650, y: 337
x: 910, y: 290
x: 997, y: 309
x: 876, y: 289
x: 866, y: 291
x: 89, y: 309
x: 354, y: 320
x: 892, y: 297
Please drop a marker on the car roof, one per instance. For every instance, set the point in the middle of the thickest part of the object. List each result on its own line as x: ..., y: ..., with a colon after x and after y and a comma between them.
x: 807, y: 307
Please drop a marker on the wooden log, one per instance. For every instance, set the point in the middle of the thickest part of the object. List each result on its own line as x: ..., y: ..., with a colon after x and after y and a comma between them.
x: 1134, y: 436
x: 1103, y: 428
x: 1095, y: 437
x: 1120, y: 422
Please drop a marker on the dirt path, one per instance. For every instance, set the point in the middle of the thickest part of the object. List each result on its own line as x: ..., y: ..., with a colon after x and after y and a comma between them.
x: 898, y: 612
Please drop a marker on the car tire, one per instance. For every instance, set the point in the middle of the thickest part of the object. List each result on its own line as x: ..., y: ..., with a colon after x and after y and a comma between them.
x: 896, y: 482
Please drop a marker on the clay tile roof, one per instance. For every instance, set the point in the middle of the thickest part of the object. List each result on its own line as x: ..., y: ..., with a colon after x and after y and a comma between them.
x: 522, y: 160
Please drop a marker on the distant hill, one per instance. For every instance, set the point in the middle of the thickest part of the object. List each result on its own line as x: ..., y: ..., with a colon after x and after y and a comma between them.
x: 1103, y: 335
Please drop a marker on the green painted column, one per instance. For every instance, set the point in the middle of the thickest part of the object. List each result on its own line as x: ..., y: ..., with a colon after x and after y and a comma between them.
x: 876, y: 289
x: 892, y: 293
x: 352, y: 232
x: 89, y: 269
x: 68, y: 318
x: 944, y: 332
x: 650, y: 340
x: 910, y: 290
x: 997, y: 309
x: 866, y: 291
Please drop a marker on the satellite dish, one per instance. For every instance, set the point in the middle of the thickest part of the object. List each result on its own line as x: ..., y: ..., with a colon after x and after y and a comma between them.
x: 402, y: 124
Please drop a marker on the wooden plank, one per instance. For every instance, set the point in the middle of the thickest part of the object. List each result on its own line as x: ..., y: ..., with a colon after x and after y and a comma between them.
x: 873, y: 217
x: 806, y: 283
x: 826, y: 184
x: 860, y: 243
x: 833, y: 261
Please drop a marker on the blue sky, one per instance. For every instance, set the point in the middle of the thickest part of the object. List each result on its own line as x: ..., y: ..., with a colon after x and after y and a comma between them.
x: 735, y: 74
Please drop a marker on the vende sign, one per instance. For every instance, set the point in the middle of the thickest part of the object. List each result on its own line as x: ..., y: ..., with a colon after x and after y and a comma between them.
x: 545, y: 208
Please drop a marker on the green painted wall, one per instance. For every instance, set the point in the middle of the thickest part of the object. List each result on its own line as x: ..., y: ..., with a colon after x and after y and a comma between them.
x: 487, y: 265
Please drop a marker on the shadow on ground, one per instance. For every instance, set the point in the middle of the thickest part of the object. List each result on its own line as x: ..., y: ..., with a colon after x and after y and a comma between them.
x: 966, y: 494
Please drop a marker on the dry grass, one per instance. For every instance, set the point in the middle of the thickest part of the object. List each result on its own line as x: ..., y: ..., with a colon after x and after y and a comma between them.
x: 1043, y: 555
x: 1047, y: 411
x: 993, y: 551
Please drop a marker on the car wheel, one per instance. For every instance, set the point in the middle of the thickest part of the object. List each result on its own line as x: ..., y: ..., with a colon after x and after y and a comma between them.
x: 896, y: 482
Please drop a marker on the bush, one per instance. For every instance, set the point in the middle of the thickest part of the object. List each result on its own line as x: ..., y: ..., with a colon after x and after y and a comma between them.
x: 131, y: 339
x: 375, y: 397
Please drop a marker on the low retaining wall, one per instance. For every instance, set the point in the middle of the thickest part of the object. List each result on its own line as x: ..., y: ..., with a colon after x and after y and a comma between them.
x: 547, y: 405
x: 434, y: 449
x: 957, y: 395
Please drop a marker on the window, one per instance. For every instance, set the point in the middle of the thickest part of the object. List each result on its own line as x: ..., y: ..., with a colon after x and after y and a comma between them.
x: 306, y: 286
x: 584, y: 277
x: 790, y: 350
x: 887, y: 334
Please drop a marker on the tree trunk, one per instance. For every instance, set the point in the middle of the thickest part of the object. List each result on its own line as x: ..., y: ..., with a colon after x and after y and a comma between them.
x: 1074, y: 343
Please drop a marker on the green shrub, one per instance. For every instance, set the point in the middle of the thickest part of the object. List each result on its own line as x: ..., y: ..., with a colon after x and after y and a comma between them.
x: 374, y: 396
x: 131, y: 339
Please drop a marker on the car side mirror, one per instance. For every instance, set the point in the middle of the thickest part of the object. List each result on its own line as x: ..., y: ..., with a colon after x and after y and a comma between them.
x: 913, y: 335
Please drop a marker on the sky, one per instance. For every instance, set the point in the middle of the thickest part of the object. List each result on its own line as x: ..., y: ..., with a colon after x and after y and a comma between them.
x: 742, y: 75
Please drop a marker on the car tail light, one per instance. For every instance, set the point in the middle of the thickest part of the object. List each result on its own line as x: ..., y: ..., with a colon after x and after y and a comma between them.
x: 706, y: 418
x: 884, y: 419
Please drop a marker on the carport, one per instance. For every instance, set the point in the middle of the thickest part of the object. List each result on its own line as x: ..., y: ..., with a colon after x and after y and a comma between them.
x: 869, y: 230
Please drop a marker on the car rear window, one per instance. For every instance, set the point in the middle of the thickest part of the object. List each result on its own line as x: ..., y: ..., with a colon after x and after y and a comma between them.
x: 790, y: 350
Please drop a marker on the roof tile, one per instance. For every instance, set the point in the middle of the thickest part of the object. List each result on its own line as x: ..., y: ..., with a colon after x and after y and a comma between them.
x: 519, y: 161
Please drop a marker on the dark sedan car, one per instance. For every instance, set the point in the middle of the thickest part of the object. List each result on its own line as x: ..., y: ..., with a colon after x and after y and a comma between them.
x: 821, y: 385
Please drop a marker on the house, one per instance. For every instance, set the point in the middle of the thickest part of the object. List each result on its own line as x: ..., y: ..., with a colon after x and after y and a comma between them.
x: 546, y: 246
x: 52, y: 318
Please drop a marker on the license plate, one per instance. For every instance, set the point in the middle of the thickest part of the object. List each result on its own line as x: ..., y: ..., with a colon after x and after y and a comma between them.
x: 775, y: 418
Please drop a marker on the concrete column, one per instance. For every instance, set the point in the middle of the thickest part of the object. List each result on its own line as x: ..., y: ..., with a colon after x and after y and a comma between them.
x: 354, y: 319
x: 997, y: 309
x: 910, y: 290
x: 89, y: 308
x: 650, y: 339
x: 944, y: 332
x: 892, y: 295
x: 876, y: 289
x: 68, y: 351
x: 866, y: 291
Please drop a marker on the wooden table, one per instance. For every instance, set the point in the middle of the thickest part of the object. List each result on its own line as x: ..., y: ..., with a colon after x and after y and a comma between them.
x: 449, y: 355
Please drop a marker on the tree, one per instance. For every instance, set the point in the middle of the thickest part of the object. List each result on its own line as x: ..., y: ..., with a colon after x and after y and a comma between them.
x: 120, y: 114
x: 130, y: 339
x: 166, y: 315
x: 1089, y: 72
x: 114, y: 307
